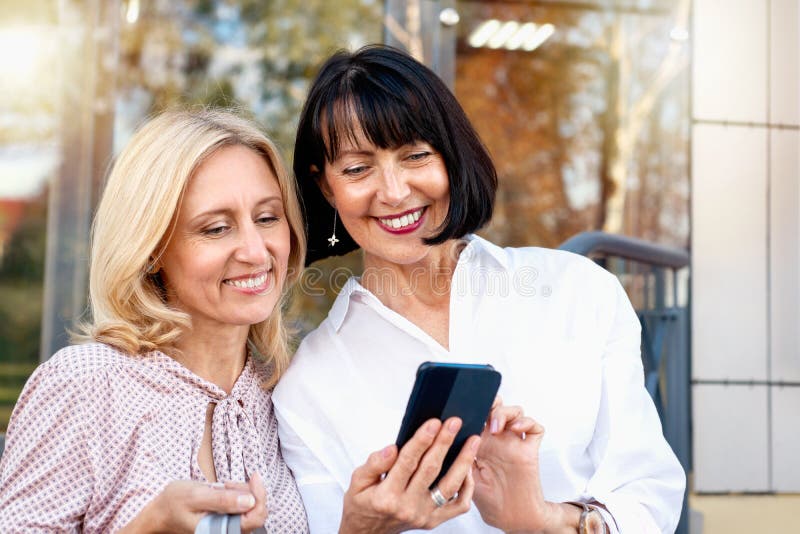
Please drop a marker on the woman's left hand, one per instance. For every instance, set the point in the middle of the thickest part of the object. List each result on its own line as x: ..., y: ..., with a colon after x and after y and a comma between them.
x: 508, y: 490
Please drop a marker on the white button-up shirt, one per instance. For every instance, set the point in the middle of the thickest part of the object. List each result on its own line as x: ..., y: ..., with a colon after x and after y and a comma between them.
x: 564, y: 336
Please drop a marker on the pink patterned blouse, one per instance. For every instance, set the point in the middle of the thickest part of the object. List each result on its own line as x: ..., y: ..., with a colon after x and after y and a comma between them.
x: 97, y: 434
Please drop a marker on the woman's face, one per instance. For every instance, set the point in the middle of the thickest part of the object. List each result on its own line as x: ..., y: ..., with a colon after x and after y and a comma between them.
x: 226, y: 261
x: 388, y: 199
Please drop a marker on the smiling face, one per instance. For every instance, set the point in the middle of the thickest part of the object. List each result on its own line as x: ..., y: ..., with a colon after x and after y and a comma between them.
x: 388, y: 199
x: 226, y: 261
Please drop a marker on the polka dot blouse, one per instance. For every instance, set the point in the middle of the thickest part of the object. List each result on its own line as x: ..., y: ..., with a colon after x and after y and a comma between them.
x: 96, y: 434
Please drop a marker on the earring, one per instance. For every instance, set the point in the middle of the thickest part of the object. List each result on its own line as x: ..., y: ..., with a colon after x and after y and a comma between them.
x: 332, y: 240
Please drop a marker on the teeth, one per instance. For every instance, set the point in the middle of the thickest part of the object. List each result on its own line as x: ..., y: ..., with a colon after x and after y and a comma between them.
x: 249, y: 283
x: 404, y: 220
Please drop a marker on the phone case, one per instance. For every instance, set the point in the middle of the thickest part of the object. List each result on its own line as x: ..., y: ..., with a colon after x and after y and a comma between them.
x: 444, y: 390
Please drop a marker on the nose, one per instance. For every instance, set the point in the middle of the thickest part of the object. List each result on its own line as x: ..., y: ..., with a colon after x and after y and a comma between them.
x: 394, y: 189
x: 251, y: 247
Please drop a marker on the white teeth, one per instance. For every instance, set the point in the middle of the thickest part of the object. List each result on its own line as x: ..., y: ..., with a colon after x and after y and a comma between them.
x: 403, y: 220
x: 249, y: 283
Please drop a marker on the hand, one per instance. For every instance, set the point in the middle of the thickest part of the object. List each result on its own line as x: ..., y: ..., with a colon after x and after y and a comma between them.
x: 508, y: 489
x: 181, y: 505
x: 401, y: 500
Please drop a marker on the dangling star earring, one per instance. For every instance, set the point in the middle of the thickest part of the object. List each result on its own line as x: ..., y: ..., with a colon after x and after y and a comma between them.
x: 332, y: 240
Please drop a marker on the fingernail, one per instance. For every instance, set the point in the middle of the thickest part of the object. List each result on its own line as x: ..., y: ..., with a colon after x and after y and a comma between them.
x: 387, y: 451
x: 495, y: 426
x: 453, y: 425
x: 475, y: 444
x: 431, y: 427
x: 245, y: 502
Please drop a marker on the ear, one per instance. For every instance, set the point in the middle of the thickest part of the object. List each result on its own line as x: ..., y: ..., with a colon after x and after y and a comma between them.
x: 322, y: 183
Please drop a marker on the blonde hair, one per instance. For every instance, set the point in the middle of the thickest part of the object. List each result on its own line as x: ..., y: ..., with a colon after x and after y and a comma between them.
x: 134, y: 221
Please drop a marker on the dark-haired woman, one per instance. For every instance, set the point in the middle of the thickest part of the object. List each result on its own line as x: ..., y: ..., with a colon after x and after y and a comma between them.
x: 387, y: 161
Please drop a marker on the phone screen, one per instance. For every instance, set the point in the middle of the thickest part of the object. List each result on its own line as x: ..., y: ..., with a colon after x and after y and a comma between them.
x: 444, y: 390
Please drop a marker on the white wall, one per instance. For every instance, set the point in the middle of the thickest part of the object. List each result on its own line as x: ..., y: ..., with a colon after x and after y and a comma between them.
x: 746, y: 245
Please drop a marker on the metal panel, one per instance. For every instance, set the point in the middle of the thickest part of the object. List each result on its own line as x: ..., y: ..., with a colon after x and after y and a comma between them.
x: 785, y: 439
x: 784, y: 70
x: 730, y: 60
x: 729, y: 253
x: 784, y: 251
x: 730, y: 438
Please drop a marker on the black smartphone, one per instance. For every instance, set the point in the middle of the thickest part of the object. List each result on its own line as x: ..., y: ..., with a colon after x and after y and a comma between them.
x: 443, y: 390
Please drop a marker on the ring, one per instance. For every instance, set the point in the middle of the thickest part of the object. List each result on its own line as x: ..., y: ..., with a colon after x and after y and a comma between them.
x: 438, y: 499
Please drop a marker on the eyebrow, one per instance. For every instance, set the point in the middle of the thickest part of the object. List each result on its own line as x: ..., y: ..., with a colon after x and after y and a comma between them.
x: 223, y: 211
x: 356, y: 152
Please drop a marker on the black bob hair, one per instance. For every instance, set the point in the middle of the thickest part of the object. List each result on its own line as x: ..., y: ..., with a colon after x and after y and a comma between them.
x: 394, y: 100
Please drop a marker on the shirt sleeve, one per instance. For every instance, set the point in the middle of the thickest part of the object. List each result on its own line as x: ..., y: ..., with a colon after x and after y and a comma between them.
x: 46, y: 476
x: 321, y: 493
x: 637, y: 478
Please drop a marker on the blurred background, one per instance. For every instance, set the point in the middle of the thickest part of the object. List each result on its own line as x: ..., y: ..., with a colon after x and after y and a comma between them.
x: 673, y: 122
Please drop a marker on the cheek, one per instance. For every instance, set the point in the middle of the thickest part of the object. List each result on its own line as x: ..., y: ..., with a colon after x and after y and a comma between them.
x: 281, y: 246
x: 352, y: 200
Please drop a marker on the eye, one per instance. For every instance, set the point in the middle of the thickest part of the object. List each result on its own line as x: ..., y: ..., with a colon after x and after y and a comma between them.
x: 355, y: 170
x: 215, y: 230
x: 266, y: 219
x: 418, y: 156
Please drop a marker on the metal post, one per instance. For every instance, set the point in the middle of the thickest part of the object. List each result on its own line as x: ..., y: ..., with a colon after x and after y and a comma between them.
x: 418, y: 27
x: 89, y: 30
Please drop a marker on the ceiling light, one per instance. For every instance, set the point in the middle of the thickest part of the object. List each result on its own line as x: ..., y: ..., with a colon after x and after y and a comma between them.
x: 482, y: 33
x: 543, y: 33
x: 510, y: 35
x: 501, y: 36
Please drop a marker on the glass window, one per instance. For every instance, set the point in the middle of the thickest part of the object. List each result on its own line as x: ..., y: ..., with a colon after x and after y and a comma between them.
x: 254, y: 55
x: 584, y: 107
x: 28, y: 161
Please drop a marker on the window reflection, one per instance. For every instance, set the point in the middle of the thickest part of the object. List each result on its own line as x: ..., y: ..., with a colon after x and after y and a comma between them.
x: 589, y: 124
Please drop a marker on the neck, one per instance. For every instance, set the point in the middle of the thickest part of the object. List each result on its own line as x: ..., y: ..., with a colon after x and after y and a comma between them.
x: 426, y: 281
x: 214, y: 354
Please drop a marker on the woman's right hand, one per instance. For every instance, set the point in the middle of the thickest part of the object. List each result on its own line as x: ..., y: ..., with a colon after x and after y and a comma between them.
x: 183, y: 503
x: 401, y: 500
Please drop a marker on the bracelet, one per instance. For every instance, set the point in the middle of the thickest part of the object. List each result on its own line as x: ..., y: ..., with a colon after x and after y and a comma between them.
x: 591, y: 519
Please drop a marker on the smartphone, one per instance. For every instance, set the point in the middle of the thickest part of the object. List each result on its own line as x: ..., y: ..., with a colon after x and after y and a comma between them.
x: 443, y: 390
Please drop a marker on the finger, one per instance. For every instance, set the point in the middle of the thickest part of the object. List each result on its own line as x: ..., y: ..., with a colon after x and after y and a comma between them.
x: 526, y: 425
x: 498, y: 401
x: 257, y: 515
x: 370, y: 473
x: 239, y: 486
x: 431, y: 464
x: 202, y: 498
x: 461, y: 503
x: 502, y: 415
x: 461, y: 468
x: 410, y: 455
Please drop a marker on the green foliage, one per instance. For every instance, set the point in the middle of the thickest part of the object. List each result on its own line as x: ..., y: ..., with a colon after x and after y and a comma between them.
x: 23, y: 260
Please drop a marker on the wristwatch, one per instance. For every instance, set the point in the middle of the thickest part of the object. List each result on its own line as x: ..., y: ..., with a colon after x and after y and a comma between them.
x: 591, y: 521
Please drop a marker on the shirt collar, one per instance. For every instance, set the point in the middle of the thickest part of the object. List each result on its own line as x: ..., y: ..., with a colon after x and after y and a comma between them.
x: 479, y: 248
x: 476, y: 250
x: 342, y: 304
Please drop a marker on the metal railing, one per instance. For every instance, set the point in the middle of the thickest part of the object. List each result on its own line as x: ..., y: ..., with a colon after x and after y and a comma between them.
x: 652, y: 276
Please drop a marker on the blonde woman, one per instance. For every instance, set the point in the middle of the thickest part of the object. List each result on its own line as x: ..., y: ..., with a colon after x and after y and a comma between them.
x: 196, y: 239
x: 164, y: 413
